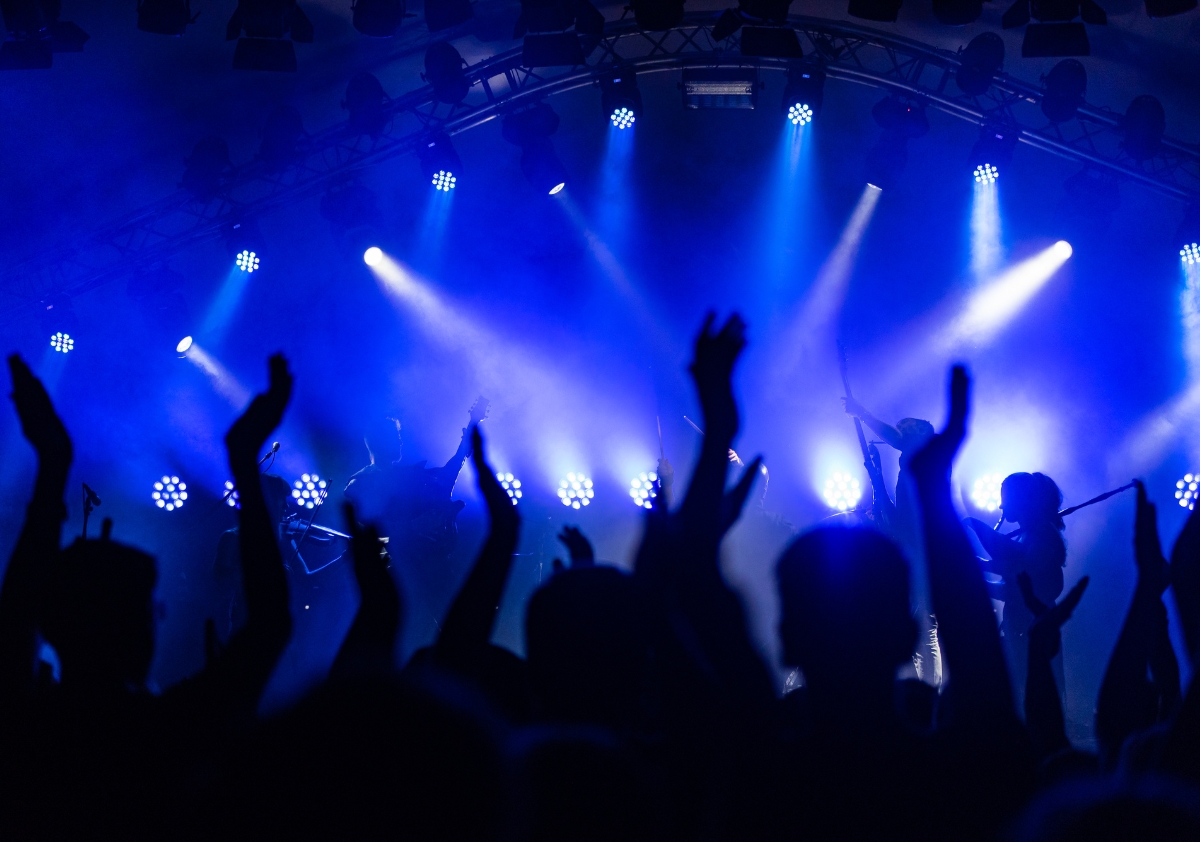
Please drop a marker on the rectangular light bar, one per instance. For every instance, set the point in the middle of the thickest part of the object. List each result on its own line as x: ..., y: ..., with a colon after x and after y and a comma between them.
x: 712, y: 88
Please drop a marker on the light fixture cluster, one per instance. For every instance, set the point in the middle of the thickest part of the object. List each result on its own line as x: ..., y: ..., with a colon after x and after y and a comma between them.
x: 1187, y: 490
x: 247, y: 261
x: 842, y: 491
x: 986, y: 174
x: 510, y: 484
x: 800, y: 114
x: 309, y: 491
x: 576, y: 490
x: 643, y: 489
x: 231, y: 495
x: 62, y: 342
x: 169, y: 493
x: 986, y: 492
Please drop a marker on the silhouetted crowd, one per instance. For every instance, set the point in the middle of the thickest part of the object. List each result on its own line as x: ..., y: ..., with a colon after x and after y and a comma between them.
x: 642, y: 710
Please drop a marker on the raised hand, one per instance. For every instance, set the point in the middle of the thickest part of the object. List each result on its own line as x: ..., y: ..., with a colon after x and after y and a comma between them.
x: 935, y: 459
x: 39, y: 421
x: 1153, y: 572
x: 1045, y: 639
x: 248, y: 434
x: 580, y: 548
x: 854, y: 408
x: 369, y: 645
x: 712, y: 369
x: 500, y: 506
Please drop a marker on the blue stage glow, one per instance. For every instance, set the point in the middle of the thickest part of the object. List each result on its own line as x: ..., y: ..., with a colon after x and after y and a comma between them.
x: 643, y: 489
x: 510, y: 484
x: 986, y: 492
x: 1190, y: 253
x: 183, y: 345
x: 231, y: 495
x: 842, y: 491
x: 444, y: 180
x: 800, y: 114
x: 986, y: 173
x: 576, y: 491
x: 1187, y: 490
x: 556, y: 188
x: 372, y: 256
x: 309, y: 491
x: 62, y: 342
x: 622, y: 117
x: 169, y: 493
x: 247, y: 261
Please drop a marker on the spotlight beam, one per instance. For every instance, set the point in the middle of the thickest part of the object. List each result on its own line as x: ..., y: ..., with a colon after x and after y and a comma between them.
x: 225, y: 384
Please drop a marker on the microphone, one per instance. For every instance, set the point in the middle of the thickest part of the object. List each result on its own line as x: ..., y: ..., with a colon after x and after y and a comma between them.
x: 92, y: 496
x: 274, y: 449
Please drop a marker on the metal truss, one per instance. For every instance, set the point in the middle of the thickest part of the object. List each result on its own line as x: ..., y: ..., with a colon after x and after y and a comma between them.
x: 501, y: 84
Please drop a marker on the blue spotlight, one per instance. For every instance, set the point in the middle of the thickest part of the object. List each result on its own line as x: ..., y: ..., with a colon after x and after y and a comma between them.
x: 62, y: 342
x: 622, y: 117
x: 373, y: 256
x: 309, y: 491
x: 620, y: 98
x: 800, y: 114
x: 842, y: 491
x: 986, y: 492
x: 1190, y: 253
x: 443, y: 180
x: 169, y: 493
x: 231, y: 495
x: 557, y: 188
x: 803, y: 95
x: 643, y: 489
x: 511, y: 485
x: 576, y: 491
x: 1187, y: 490
x: 440, y: 163
x: 184, y: 345
x: 247, y: 261
x: 986, y: 174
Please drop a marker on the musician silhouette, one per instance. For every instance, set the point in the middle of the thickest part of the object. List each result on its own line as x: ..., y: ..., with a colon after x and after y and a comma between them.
x: 1032, y: 501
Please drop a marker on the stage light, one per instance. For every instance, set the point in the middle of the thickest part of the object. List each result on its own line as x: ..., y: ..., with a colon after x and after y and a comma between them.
x: 231, y: 495
x: 770, y: 42
x: 440, y: 163
x: 884, y: 11
x: 1066, y: 83
x: 986, y: 493
x: 620, y: 99
x: 657, y: 15
x: 1144, y: 125
x: 377, y: 18
x: 365, y: 101
x: 165, y: 17
x: 1187, y: 490
x: 957, y: 12
x: 169, y: 493
x: 309, y: 491
x: 443, y: 14
x: 444, y: 72
x: 842, y: 491
x: 183, y: 345
x: 979, y: 61
x: 62, y: 342
x: 265, y: 23
x: 986, y: 174
x: 1190, y: 253
x: 373, y: 256
x: 1188, y: 235
x: 803, y: 94
x: 992, y: 306
x: 206, y: 168
x: 643, y: 489
x: 576, y: 491
x: 1057, y: 33
x: 35, y: 34
x: 247, y: 261
x: 531, y: 130
x: 718, y: 88
x: 510, y: 484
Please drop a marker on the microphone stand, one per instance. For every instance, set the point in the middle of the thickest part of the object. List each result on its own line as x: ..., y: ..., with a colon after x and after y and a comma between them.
x: 90, y: 501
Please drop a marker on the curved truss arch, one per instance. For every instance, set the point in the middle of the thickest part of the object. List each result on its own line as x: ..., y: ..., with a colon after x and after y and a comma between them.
x: 501, y: 84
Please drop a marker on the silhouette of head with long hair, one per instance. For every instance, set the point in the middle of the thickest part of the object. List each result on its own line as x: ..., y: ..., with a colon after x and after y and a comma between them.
x: 1031, y: 500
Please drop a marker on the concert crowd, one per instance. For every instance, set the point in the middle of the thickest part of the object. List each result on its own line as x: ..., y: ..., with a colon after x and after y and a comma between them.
x: 642, y: 709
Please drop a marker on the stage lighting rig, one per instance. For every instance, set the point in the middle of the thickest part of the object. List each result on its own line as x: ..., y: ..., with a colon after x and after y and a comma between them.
x: 1066, y: 83
x: 1144, y: 125
x: 440, y: 163
x: 643, y: 489
x: 62, y: 342
x: 206, y: 168
x: 511, y: 486
x: 169, y: 493
x: 842, y: 491
x: 576, y: 491
x: 265, y: 24
x: 309, y: 491
x: 184, y: 345
x: 1187, y: 490
x: 1091, y: 200
x: 1188, y: 236
x: 377, y: 18
x: 165, y: 17
x: 531, y: 130
x: 957, y: 12
x: 245, y: 243
x: 365, y: 101
x: 35, y: 33
x: 803, y: 95
x: 231, y: 495
x: 979, y: 61
x: 986, y: 492
x: 900, y: 115
x: 443, y: 14
x: 657, y: 15
x: 1057, y: 32
x: 60, y: 323
x: 720, y: 88
x: 444, y: 71
x: 543, y: 25
x: 373, y: 256
x: 751, y: 12
x: 620, y: 99
x: 281, y: 137
x: 992, y: 152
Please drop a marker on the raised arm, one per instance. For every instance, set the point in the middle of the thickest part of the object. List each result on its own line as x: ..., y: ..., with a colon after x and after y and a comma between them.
x: 1043, y: 704
x: 979, y: 696
x: 1128, y: 700
x: 370, y: 645
x: 467, y: 629
x: 882, y: 429
x: 41, y: 534
x: 247, y: 663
